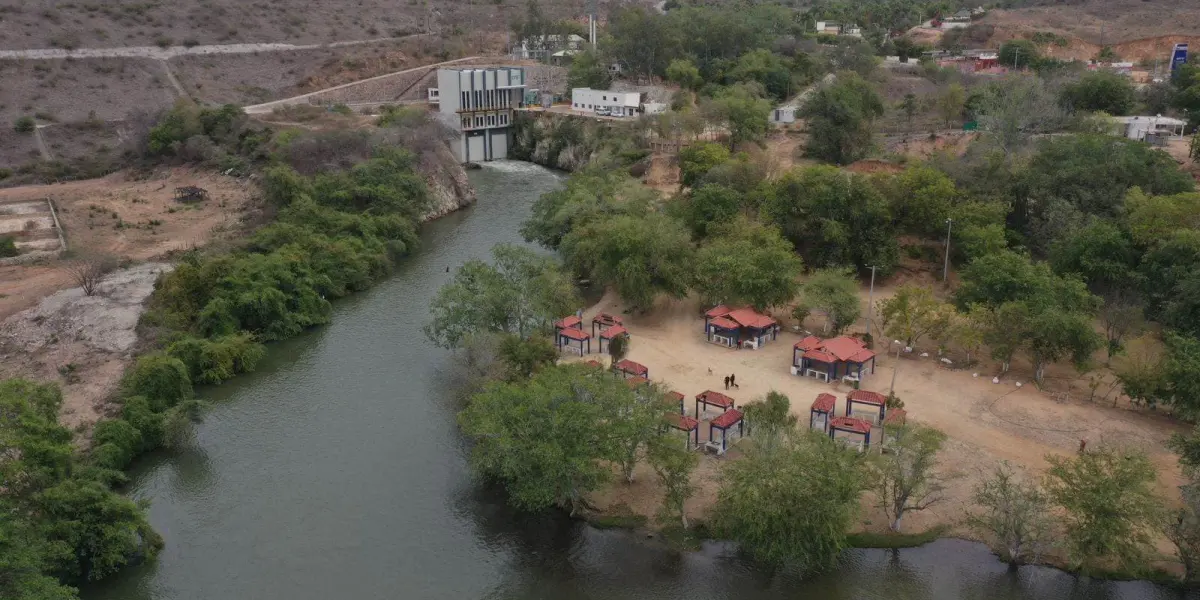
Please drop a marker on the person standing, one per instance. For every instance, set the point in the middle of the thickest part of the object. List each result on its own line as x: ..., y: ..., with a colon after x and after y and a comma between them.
x: 726, y: 382
x: 733, y: 381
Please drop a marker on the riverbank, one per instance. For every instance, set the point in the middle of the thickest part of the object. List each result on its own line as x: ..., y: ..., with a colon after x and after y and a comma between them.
x: 986, y: 424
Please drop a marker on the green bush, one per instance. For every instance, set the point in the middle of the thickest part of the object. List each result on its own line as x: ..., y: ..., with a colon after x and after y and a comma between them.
x: 25, y: 124
x: 148, y: 423
x: 117, y: 442
x: 162, y: 379
x: 215, y: 360
x: 8, y: 247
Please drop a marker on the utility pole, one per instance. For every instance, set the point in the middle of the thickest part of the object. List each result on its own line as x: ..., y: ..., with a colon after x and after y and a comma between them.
x: 1016, y: 55
x: 946, y: 267
x: 871, y: 303
x: 895, y: 369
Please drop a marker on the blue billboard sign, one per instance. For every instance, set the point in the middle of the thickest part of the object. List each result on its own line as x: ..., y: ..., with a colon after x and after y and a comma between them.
x: 1179, y: 56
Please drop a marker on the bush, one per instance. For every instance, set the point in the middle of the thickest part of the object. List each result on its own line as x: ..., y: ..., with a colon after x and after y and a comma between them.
x: 117, y: 442
x: 162, y: 379
x: 148, y: 423
x: 214, y: 361
x: 8, y: 247
x: 25, y: 124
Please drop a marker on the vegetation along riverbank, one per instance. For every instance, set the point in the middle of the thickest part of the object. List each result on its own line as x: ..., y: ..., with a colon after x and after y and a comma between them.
x: 337, y: 209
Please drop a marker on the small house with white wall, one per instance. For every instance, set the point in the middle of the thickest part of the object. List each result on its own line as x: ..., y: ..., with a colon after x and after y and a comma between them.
x: 1151, y: 129
x: 606, y: 103
x: 829, y: 27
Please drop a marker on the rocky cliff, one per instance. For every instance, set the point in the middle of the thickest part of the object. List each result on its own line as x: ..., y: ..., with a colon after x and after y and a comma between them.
x: 449, y: 187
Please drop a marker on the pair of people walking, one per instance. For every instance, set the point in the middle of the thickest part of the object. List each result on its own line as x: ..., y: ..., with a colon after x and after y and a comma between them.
x: 731, y: 381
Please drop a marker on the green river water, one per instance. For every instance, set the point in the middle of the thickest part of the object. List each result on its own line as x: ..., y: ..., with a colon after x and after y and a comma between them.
x: 337, y: 472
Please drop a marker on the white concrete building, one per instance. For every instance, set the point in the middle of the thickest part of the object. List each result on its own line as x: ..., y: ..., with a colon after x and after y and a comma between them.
x: 1149, y: 128
x: 479, y: 104
x: 606, y: 103
x: 829, y: 27
x: 783, y: 115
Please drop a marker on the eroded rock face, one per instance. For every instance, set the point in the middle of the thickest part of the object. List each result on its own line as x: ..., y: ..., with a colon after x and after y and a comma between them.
x: 449, y: 188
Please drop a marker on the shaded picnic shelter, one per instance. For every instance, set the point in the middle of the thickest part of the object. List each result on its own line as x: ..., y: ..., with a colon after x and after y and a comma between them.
x: 711, y: 398
x: 627, y: 368
x: 677, y: 397
x: 725, y: 422
x: 569, y: 337
x: 832, y: 359
x: 851, y: 429
x: 866, y: 404
x: 736, y: 328
x: 686, y: 424
x: 607, y: 335
x: 603, y: 321
x: 822, y: 411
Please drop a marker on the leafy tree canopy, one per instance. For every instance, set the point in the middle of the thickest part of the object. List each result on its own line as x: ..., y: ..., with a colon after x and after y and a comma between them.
x: 641, y: 256
x: 1103, y: 91
x: 748, y: 263
x: 839, y: 117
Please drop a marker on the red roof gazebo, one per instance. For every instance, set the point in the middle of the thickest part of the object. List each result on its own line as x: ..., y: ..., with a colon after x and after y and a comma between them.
x: 604, y: 321
x: 822, y: 411
x: 724, y: 422
x: 611, y: 332
x: 571, y: 322
x: 687, y: 425
x: 676, y: 397
x: 874, y: 404
x: 716, y: 399
x: 631, y: 369
x: 567, y: 337
x: 852, y: 429
x: 636, y: 382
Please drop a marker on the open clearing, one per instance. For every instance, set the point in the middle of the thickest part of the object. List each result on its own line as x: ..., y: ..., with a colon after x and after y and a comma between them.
x: 986, y: 423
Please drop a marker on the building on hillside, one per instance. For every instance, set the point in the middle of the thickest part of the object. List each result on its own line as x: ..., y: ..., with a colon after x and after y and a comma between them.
x: 540, y: 47
x: 784, y: 114
x: 852, y: 31
x: 1154, y: 130
x: 829, y: 27
x: 479, y: 104
x: 606, y: 103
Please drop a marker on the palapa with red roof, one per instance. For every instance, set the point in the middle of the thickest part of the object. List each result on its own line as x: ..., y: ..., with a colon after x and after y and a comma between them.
x: 866, y: 404
x: 738, y: 327
x: 674, y: 396
x: 833, y: 358
x: 606, y: 335
x: 572, y: 321
x: 724, y: 422
x: 822, y: 411
x: 576, y: 340
x: 631, y: 369
x: 711, y: 398
x: 605, y: 321
x: 686, y: 424
x: 851, y: 429
x: 635, y: 382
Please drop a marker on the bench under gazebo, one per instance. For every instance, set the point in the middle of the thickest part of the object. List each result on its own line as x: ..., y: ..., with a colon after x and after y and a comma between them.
x: 576, y: 340
x: 607, y: 335
x: 571, y: 322
x: 865, y: 404
x: 689, y: 426
x: 851, y: 431
x: 674, y: 397
x: 603, y: 321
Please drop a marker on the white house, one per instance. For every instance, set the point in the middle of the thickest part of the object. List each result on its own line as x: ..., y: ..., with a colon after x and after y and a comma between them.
x: 829, y: 27
x: 537, y: 48
x: 783, y: 115
x: 1149, y: 128
x: 606, y: 103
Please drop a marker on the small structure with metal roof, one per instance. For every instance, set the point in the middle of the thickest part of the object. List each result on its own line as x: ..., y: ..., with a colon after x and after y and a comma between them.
x: 741, y: 327
x: 603, y: 321
x: 725, y: 422
x: 828, y: 360
x: 823, y: 409
x: 711, y: 398
x: 689, y: 426
x: 607, y: 335
x: 851, y: 431
x: 575, y: 340
x: 628, y: 369
x: 865, y: 404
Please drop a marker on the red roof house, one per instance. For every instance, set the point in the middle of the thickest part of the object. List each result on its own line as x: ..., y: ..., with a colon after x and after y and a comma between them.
x: 738, y: 327
x: 833, y: 358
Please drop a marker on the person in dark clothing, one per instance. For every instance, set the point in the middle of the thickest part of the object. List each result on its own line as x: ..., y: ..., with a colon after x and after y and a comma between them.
x: 726, y: 382
x: 733, y: 381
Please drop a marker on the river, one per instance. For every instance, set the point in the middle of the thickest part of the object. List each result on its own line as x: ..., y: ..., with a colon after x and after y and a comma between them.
x: 336, y: 472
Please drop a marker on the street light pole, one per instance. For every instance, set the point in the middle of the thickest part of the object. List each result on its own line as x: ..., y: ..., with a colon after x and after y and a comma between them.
x: 895, y: 368
x: 871, y: 302
x: 946, y: 267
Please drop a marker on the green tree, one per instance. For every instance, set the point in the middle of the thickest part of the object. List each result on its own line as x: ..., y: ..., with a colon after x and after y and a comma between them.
x: 840, y: 117
x: 1110, y: 506
x: 589, y: 194
x: 921, y: 198
x: 25, y: 124
x: 1102, y: 255
x: 588, y: 71
x: 1056, y: 334
x: 909, y: 106
x: 1157, y: 218
x: 710, y: 208
x: 1172, y: 380
x: 913, y: 313
x: 765, y: 68
x: 521, y: 293
x: 696, y: 160
x: 951, y: 103
x: 1101, y: 91
x: 1182, y: 527
x: 968, y: 328
x: 641, y: 40
x: 24, y: 563
x: 544, y: 437
x: 673, y: 464
x: 632, y: 422
x: 748, y: 263
x: 1014, y: 517
x: 522, y: 357
x: 1018, y: 54
x: 770, y: 416
x: 1015, y: 109
x: 743, y: 112
x: 834, y: 218
x: 37, y: 449
x: 641, y: 256
x: 835, y: 293
x: 906, y: 477
x: 8, y: 247
x: 103, y: 530
x: 163, y: 380
x: 682, y: 72
x: 792, y: 502
x: 618, y: 348
x: 1007, y: 276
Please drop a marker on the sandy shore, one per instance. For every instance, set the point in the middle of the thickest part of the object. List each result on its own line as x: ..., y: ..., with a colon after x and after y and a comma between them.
x: 986, y: 423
